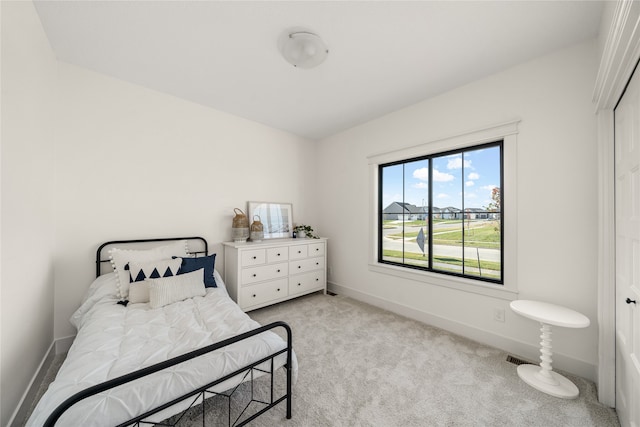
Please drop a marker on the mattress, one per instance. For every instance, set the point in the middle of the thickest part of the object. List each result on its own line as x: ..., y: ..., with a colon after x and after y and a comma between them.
x: 114, y: 340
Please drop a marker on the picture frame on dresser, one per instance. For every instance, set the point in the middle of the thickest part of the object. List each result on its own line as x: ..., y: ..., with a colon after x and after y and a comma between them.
x: 276, y: 218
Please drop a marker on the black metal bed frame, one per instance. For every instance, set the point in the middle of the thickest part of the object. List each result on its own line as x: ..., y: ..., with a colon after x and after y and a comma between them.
x: 198, y: 395
x: 100, y: 259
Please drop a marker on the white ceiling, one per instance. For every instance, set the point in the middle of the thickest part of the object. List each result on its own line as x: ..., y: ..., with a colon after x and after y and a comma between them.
x: 383, y: 55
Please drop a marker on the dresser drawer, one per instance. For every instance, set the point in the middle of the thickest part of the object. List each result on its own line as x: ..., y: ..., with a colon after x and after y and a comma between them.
x: 316, y: 249
x: 304, y: 265
x: 253, y: 257
x: 298, y: 251
x: 277, y: 254
x: 306, y: 282
x: 264, y: 292
x: 265, y: 272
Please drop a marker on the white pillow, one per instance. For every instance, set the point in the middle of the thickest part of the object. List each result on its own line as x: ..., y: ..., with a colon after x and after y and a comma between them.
x: 138, y: 287
x: 153, y: 269
x: 168, y: 290
x: 138, y: 292
x: 121, y: 257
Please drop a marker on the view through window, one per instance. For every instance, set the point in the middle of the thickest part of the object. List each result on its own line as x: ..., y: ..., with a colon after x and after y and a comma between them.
x: 443, y: 212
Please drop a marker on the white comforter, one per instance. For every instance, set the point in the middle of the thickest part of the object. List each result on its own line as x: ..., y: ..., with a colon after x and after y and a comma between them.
x: 113, y: 340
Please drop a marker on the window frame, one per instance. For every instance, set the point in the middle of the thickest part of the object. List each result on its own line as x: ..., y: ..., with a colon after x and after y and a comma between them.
x: 429, y: 157
x: 507, y: 132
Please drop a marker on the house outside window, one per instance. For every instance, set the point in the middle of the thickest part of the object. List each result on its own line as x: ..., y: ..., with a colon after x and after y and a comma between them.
x: 442, y: 212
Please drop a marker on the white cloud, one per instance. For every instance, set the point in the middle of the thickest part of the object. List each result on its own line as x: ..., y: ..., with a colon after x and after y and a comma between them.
x: 470, y: 196
x: 473, y: 175
x: 421, y: 174
x: 442, y: 196
x: 421, y: 185
x: 456, y: 163
x: 442, y: 176
x: 488, y: 187
x: 469, y: 183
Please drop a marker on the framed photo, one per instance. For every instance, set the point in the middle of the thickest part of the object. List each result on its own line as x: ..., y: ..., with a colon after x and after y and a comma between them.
x: 277, y: 218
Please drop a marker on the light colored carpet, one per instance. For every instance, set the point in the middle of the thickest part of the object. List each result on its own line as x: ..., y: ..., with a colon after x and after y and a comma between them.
x: 362, y: 366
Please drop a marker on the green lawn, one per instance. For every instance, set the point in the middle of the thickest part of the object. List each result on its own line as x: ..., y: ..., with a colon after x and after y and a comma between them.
x: 390, y: 223
x: 485, y: 236
x: 444, y: 263
x: 488, y: 265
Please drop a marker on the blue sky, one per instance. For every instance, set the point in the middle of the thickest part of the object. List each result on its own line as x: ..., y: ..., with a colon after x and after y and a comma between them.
x: 475, y: 174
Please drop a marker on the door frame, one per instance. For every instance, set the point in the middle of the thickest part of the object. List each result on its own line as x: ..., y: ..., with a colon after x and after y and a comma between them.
x: 620, y: 54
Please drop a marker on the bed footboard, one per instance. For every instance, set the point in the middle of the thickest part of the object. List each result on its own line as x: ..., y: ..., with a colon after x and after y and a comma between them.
x: 140, y: 419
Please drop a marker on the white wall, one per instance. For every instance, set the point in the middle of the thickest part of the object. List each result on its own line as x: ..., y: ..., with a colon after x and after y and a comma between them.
x: 557, y: 202
x: 135, y: 163
x: 26, y: 280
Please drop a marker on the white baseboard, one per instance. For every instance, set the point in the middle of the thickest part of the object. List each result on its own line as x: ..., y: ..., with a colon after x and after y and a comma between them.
x: 17, y: 419
x: 517, y: 348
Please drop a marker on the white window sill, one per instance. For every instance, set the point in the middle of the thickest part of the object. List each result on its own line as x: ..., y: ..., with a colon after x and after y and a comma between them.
x: 452, y: 282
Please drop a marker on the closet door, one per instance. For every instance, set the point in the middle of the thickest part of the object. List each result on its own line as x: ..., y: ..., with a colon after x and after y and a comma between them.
x: 627, y: 221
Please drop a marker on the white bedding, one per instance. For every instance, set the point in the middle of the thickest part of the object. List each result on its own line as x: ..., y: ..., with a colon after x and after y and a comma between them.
x: 113, y: 340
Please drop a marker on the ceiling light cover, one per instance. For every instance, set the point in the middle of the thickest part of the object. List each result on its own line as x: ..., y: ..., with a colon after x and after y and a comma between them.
x: 303, y: 49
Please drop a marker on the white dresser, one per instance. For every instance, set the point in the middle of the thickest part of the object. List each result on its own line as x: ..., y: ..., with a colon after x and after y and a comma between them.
x: 267, y: 272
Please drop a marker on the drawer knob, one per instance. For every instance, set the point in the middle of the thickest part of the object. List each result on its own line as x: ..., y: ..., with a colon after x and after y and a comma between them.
x: 255, y: 257
x: 299, y: 252
x: 278, y: 289
x: 278, y: 270
x: 317, y: 249
x: 317, y: 263
x: 254, y: 275
x: 299, y: 266
x: 278, y: 254
x: 254, y: 295
x: 317, y: 280
x: 298, y: 284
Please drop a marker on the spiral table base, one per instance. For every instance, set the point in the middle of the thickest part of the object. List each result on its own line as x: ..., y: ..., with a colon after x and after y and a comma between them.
x: 542, y: 377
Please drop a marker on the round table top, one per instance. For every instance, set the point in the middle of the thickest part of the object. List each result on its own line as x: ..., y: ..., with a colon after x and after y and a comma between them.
x: 550, y: 313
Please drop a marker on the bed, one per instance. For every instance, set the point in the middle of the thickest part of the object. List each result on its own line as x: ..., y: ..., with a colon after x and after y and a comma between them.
x: 140, y: 362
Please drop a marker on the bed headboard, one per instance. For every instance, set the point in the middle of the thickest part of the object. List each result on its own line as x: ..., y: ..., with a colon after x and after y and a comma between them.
x: 197, y: 246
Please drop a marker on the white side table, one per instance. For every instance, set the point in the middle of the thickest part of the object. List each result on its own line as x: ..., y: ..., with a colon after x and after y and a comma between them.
x: 542, y: 377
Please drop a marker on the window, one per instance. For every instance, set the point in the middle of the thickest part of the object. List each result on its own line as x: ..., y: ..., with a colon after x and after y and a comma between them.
x: 434, y: 267
x: 442, y: 212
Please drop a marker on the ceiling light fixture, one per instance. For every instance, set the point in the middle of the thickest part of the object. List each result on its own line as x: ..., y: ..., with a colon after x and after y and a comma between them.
x: 303, y: 49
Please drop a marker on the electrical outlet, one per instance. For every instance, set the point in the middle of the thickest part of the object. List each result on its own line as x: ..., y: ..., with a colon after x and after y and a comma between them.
x: 498, y: 314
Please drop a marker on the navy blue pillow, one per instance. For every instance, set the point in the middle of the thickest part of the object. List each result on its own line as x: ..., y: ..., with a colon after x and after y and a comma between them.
x: 206, y: 262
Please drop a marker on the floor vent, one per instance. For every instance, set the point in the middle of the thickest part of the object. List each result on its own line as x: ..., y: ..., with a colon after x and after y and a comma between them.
x: 516, y: 361
x: 331, y: 293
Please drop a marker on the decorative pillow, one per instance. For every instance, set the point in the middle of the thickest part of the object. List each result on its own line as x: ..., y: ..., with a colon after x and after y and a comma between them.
x: 138, y: 292
x: 121, y: 257
x: 154, y: 269
x: 206, y: 262
x: 172, y: 289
